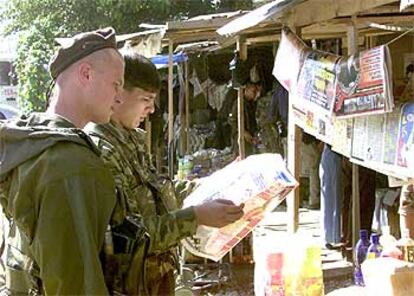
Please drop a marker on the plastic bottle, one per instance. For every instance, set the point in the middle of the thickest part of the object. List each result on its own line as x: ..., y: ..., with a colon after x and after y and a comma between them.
x: 386, y: 239
x: 312, y: 277
x: 388, y: 243
x: 361, y: 250
x: 406, y: 245
x: 375, y: 249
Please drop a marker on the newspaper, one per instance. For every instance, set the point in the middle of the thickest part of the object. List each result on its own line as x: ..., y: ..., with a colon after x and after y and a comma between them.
x: 289, y: 59
x: 342, y: 139
x: 309, y: 76
x: 359, y: 138
x: 328, y: 85
x: 260, y: 181
x: 384, y: 142
x: 316, y: 83
x: 363, y: 83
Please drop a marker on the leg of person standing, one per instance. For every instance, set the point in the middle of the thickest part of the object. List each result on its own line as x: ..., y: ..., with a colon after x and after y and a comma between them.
x: 331, y: 195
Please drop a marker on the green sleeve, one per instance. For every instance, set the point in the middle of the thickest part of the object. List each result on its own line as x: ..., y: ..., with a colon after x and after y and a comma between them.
x: 73, y: 213
x: 165, y: 230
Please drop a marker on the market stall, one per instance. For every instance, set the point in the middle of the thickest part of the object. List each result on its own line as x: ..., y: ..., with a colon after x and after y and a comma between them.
x: 361, y: 25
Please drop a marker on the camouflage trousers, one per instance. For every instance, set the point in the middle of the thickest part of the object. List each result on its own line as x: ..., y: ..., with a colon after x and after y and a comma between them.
x: 160, y: 274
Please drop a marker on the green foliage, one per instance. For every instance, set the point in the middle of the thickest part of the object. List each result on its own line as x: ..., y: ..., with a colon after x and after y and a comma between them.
x: 40, y: 21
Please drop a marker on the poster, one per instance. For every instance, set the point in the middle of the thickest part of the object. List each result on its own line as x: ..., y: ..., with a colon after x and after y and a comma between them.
x: 405, y: 143
x: 362, y: 85
x: 316, y: 83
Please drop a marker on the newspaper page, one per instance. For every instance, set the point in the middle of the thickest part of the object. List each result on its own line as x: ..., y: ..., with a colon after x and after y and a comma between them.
x: 359, y: 138
x: 390, y: 137
x: 309, y: 76
x: 342, y: 136
x: 363, y: 84
x: 375, y: 134
x: 314, y: 123
x: 289, y: 59
x: 316, y: 83
x: 260, y: 181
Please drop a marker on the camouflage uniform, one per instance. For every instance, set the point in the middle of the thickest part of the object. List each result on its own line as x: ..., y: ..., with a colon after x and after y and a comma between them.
x: 141, y: 192
x: 58, y: 197
x: 268, y: 132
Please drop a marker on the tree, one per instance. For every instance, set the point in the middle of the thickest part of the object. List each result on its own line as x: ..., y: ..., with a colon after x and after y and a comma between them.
x: 40, y: 21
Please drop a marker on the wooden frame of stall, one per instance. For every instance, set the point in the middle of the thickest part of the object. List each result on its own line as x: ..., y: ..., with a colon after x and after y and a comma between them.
x: 316, y: 19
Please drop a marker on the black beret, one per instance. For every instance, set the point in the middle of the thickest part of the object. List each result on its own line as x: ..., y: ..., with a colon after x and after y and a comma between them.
x: 80, y: 46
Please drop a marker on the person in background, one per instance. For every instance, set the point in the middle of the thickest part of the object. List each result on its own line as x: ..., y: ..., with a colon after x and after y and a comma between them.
x: 56, y: 194
x: 251, y: 94
x: 330, y: 173
x: 143, y: 194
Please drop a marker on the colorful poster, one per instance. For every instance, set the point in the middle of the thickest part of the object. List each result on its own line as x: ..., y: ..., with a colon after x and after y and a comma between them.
x: 362, y: 85
x: 316, y: 83
x: 405, y: 144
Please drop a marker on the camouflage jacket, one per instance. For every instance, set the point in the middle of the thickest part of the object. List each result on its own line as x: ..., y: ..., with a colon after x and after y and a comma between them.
x: 266, y: 122
x: 142, y: 192
x: 58, y: 197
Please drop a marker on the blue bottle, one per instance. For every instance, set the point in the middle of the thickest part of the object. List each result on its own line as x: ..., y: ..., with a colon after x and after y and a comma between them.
x: 375, y: 249
x: 361, y: 250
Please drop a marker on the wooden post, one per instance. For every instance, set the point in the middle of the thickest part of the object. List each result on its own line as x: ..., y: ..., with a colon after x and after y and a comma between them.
x: 182, y: 115
x: 242, y: 48
x: 170, y: 111
x: 187, y: 109
x: 293, y: 162
x: 352, y: 41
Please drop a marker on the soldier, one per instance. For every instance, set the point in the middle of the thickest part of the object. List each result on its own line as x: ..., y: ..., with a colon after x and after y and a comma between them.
x: 56, y: 194
x: 267, y: 123
x: 142, y: 193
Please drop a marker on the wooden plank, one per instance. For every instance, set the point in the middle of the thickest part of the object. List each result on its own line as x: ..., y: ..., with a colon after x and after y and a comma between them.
x: 188, y: 37
x: 293, y: 163
x: 242, y: 48
x: 261, y: 39
x: 352, y: 42
x: 213, y: 23
x: 187, y: 108
x: 182, y: 116
x: 170, y: 110
x: 311, y: 12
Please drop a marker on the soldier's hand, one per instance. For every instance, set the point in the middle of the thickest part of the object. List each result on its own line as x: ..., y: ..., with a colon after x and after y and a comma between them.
x: 218, y: 213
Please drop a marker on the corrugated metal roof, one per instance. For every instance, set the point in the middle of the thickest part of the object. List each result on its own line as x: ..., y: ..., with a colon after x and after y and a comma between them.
x: 257, y: 16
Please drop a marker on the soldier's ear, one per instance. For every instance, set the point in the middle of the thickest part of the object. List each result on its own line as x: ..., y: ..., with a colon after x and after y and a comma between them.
x: 84, y: 72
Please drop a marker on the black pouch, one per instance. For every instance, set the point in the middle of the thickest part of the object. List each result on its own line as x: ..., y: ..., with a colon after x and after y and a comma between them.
x: 127, y: 235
